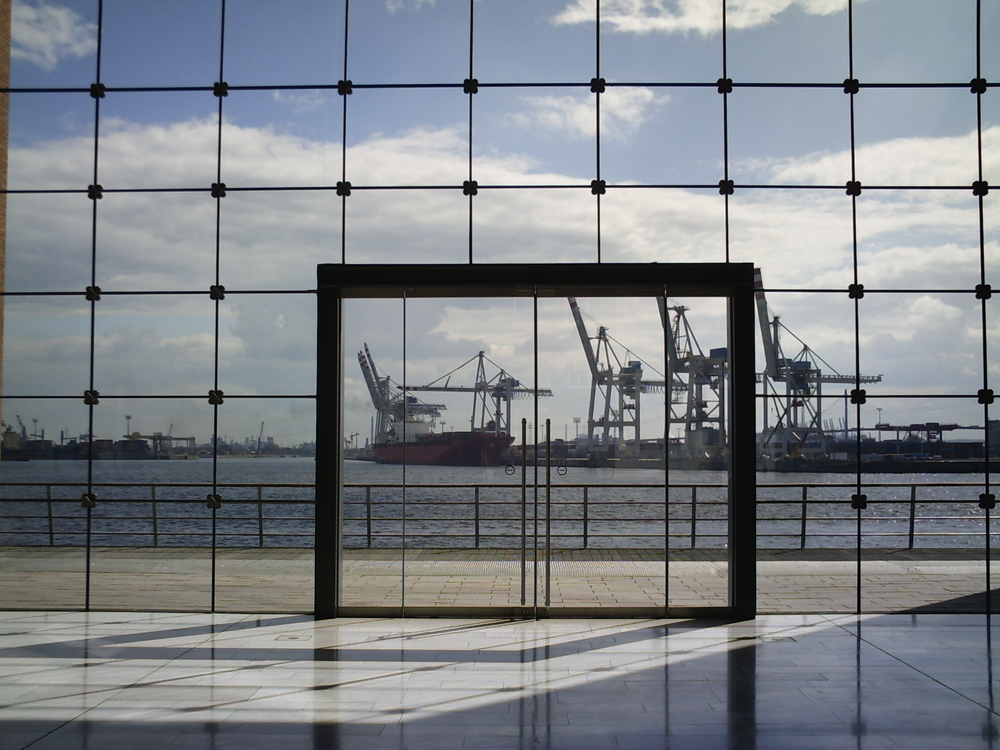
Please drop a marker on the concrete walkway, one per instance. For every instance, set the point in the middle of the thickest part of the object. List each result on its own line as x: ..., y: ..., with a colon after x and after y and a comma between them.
x: 281, y: 580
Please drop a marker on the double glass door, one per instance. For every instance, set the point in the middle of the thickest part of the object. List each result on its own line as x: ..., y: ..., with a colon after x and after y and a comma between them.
x: 513, y: 446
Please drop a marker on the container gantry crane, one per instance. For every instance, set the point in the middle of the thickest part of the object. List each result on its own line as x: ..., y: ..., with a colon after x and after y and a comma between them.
x: 793, y: 389
x: 614, y: 415
x: 698, y: 401
x: 492, y: 396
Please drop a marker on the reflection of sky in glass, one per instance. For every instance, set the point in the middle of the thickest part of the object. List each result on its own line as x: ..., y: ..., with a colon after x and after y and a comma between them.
x: 530, y: 136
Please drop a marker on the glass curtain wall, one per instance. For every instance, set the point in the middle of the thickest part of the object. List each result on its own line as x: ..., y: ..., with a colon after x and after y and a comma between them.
x: 175, y: 172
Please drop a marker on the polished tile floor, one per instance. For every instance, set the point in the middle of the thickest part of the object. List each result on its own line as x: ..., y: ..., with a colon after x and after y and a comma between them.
x: 128, y: 680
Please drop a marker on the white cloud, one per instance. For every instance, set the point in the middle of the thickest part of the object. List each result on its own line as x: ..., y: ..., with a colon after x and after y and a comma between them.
x: 274, y: 241
x: 943, y: 161
x: 299, y: 102
x: 688, y: 16
x: 44, y: 35
x: 623, y: 112
x: 394, y: 5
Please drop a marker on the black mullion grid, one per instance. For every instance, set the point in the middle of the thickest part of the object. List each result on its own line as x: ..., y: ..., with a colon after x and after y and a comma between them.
x: 91, y: 403
x: 597, y: 115
x: 492, y: 84
x: 857, y: 501
x: 471, y: 190
x: 214, y: 500
x: 987, y: 498
x: 725, y: 122
x: 343, y: 140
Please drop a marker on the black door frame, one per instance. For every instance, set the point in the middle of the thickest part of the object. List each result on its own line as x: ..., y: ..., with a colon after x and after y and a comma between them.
x: 733, y: 281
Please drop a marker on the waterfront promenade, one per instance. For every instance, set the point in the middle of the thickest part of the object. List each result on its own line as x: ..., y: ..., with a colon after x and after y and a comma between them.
x: 280, y: 580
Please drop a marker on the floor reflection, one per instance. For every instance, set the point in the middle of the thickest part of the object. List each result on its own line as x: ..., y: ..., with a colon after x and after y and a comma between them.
x: 227, y: 681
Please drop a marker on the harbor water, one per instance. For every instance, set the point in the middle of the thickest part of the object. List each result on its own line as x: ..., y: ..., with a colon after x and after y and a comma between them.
x: 269, y: 502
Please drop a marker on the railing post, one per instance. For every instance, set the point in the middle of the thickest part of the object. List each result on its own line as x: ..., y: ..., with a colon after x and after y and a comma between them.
x: 260, y: 516
x: 52, y: 527
x: 368, y: 513
x: 477, y: 516
x: 913, y: 513
x: 694, y: 516
x: 156, y: 520
x: 805, y: 511
x: 586, y: 517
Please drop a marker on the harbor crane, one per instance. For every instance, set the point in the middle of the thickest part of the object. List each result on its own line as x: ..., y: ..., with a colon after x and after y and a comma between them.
x: 392, y: 406
x: 793, y: 389
x: 615, y: 414
x: 492, y: 397
x: 697, y: 391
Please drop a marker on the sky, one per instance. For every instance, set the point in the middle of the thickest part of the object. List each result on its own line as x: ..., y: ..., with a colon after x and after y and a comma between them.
x: 925, y: 341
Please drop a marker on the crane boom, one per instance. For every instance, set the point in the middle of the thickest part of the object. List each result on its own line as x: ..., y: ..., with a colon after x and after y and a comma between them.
x: 770, y: 349
x: 588, y: 347
x: 371, y: 377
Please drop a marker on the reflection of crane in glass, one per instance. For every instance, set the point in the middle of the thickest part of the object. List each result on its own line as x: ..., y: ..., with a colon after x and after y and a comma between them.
x: 798, y: 411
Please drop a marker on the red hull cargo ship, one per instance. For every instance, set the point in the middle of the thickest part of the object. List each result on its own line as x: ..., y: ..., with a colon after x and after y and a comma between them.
x: 447, y: 449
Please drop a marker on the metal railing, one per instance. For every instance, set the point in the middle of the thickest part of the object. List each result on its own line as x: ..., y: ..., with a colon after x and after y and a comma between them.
x: 478, y: 516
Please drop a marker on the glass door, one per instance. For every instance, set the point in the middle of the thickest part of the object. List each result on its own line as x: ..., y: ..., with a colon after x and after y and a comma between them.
x: 510, y: 448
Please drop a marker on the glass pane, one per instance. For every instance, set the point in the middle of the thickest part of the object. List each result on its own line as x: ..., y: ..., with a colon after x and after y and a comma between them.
x: 799, y: 238
x: 607, y: 498
x: 411, y: 137
x: 533, y: 41
x: 314, y: 29
x: 906, y: 234
x: 176, y: 133
x: 808, y: 137
x: 808, y: 366
x: 662, y: 136
x: 538, y: 135
x: 282, y: 138
x: 698, y: 445
x: 430, y: 42
x: 155, y: 346
x: 266, y: 470
x: 916, y: 137
x: 918, y: 41
x: 949, y: 330
x: 632, y: 52
x: 53, y: 46
x: 806, y: 511
x: 990, y: 19
x: 151, y: 531
x: 373, y: 543
x: 924, y: 532
x: 43, y: 528
x: 48, y: 243
x: 400, y: 226
x: 525, y: 225
x: 47, y: 348
x: 469, y: 379
x: 651, y: 225
x: 274, y: 240
x: 268, y: 346
x: 156, y: 242
x: 165, y: 44
x: 51, y: 142
x: 802, y: 44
